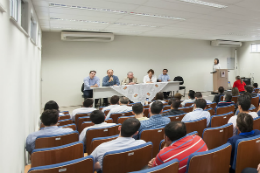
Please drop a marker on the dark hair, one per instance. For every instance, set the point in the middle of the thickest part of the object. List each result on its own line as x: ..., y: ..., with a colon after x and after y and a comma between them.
x: 238, y: 78
x: 170, y: 102
x: 159, y: 96
x: 151, y: 70
x: 50, y: 117
x: 244, y: 101
x: 221, y: 89
x: 178, y: 96
x: 51, y: 105
x: 97, y: 117
x: 138, y: 108
x: 156, y: 107
x: 217, y: 60
x: 255, y: 85
x: 228, y: 97
x: 245, y: 122
x: 201, y: 103
x: 114, y: 99
x: 191, y: 94
x: 88, y: 102
x: 175, y: 130
x: 249, y: 88
x: 165, y: 69
x: 198, y: 95
x: 92, y: 71
x: 175, y: 103
x: 130, y: 127
x: 235, y: 91
x: 124, y: 100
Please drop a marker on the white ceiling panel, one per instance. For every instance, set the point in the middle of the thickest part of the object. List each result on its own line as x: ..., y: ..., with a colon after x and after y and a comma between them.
x: 239, y: 21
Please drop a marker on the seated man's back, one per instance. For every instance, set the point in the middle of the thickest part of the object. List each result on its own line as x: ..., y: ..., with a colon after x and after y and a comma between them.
x: 50, y: 120
x: 125, y: 140
x: 175, y: 103
x: 198, y: 112
x: 178, y: 145
x: 97, y: 117
x: 87, y: 108
x: 114, y: 102
x: 191, y: 99
x: 123, y: 101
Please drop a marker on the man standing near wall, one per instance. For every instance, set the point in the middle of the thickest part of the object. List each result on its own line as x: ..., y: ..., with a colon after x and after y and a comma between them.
x: 91, y: 81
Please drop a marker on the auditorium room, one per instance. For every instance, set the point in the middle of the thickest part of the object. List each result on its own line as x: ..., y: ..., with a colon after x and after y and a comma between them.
x: 130, y: 86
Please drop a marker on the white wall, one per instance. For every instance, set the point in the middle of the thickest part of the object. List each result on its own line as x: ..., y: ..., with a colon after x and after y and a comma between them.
x: 249, y: 62
x: 65, y: 64
x: 20, y: 62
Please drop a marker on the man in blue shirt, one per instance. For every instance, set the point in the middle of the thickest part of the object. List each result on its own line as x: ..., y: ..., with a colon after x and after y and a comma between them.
x: 110, y: 80
x: 245, y: 126
x: 91, y: 81
x: 164, y: 78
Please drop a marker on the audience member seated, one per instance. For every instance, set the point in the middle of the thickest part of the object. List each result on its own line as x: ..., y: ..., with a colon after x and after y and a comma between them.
x: 178, y: 96
x: 127, y: 130
x: 191, y: 99
x: 255, y: 86
x: 178, y: 145
x: 220, y: 92
x: 227, y: 100
x: 123, y: 102
x: 87, y: 108
x: 49, y: 118
x: 113, y: 103
x: 235, y: 91
x: 252, y: 170
x: 244, y: 125
x: 244, y: 102
x: 240, y: 84
x: 98, y: 118
x: 250, y: 89
x: 198, y: 112
x: 138, y: 111
x: 198, y: 95
x: 170, y: 102
x: 174, y: 108
x: 156, y: 120
x: 159, y: 97
x: 52, y: 105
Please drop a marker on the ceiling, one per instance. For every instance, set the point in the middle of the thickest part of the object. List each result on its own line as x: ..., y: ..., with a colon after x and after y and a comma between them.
x: 239, y: 21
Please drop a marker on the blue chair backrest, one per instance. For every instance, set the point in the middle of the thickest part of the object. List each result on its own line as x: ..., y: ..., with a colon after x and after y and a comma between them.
x: 47, y: 136
x: 214, y: 128
x: 67, y: 125
x: 188, y: 103
x: 223, y: 115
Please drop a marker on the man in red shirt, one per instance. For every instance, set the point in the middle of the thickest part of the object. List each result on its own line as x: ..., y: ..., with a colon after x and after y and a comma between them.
x: 178, y: 145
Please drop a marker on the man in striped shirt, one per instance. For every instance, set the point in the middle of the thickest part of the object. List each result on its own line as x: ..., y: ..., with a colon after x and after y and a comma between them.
x: 178, y: 145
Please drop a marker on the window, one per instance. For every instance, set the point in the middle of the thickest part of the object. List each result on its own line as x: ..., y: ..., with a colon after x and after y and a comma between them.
x: 24, y: 15
x: 14, y: 9
x: 33, y: 29
x: 39, y: 39
x: 255, y: 47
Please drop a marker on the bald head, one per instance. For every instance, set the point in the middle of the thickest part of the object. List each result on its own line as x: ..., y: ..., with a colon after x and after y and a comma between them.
x: 110, y: 72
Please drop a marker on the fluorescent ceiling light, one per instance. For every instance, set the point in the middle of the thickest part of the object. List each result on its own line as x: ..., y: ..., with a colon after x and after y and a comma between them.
x: 100, y: 22
x: 204, y: 3
x: 55, y: 5
x: 69, y: 28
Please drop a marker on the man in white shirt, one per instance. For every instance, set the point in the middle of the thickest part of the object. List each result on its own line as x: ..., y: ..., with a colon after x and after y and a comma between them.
x: 123, y: 102
x: 150, y: 78
x: 191, y: 99
x: 49, y: 118
x: 244, y: 103
x: 198, y: 112
x: 138, y: 111
x: 128, y: 129
x: 113, y: 103
x: 97, y: 117
x: 87, y: 108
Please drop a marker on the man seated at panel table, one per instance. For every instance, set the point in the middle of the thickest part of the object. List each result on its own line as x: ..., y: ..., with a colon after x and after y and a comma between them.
x: 130, y: 80
x: 178, y: 145
x: 174, y: 108
x: 87, y: 108
x: 123, y: 102
x: 244, y: 103
x: 244, y: 125
x: 191, y: 96
x: 110, y: 80
x: 164, y: 78
x: 49, y: 118
x: 128, y: 129
x: 198, y: 112
x: 114, y: 102
x: 138, y: 111
x: 89, y: 82
x: 98, y: 118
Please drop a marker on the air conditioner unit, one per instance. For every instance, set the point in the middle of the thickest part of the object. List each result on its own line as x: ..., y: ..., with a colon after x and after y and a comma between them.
x: 87, y: 36
x: 226, y: 43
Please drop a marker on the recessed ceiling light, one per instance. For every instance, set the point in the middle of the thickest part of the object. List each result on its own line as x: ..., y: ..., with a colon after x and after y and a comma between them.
x: 113, y: 11
x: 100, y: 22
x: 210, y: 4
